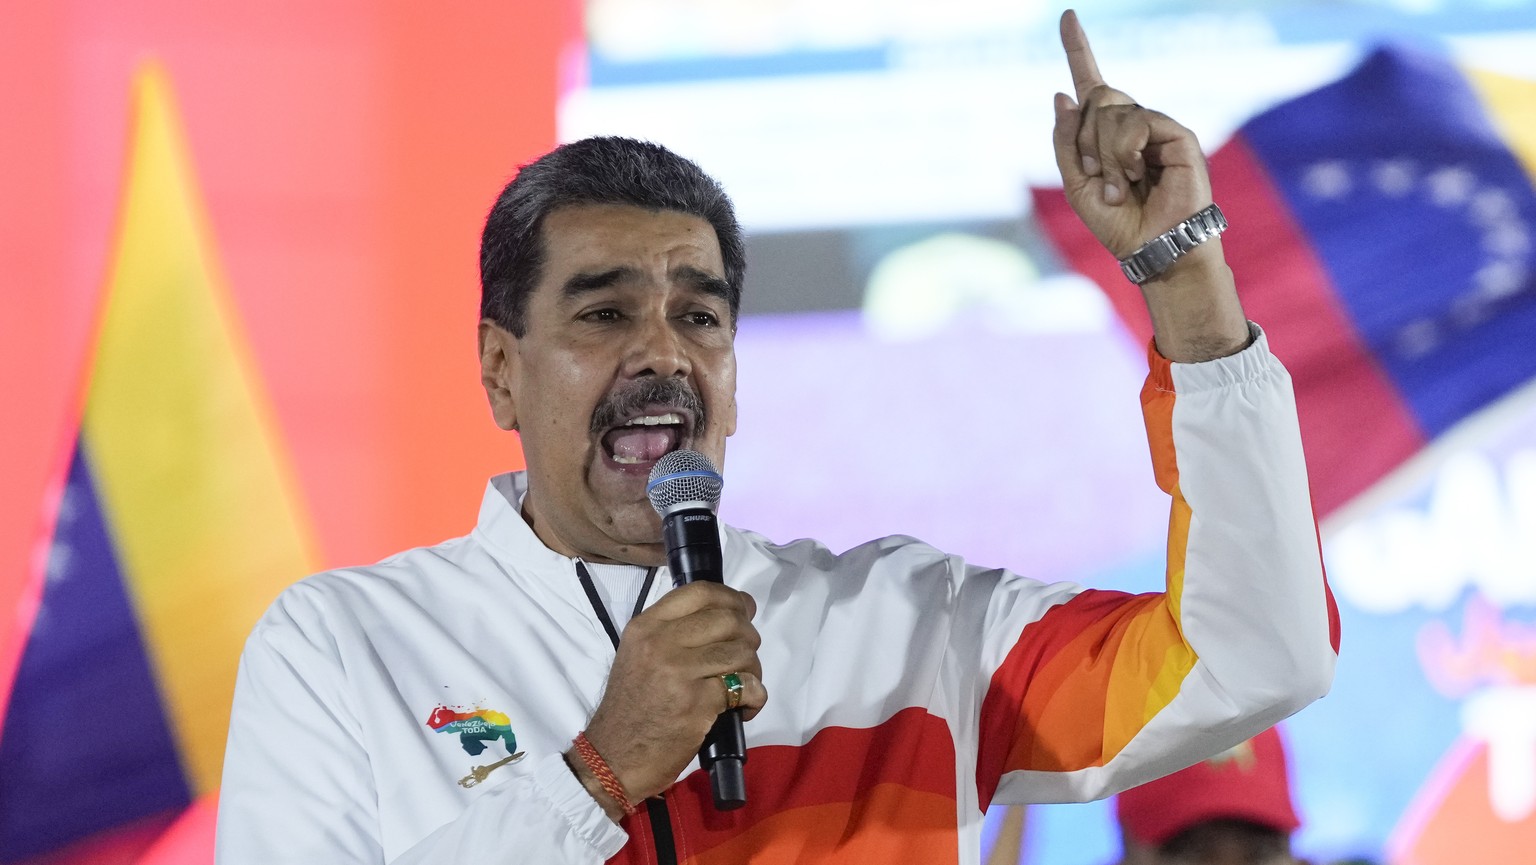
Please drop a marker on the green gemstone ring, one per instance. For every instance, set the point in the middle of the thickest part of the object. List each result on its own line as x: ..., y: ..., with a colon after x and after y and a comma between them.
x: 732, y: 682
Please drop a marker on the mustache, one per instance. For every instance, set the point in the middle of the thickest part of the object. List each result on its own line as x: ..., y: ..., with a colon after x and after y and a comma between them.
x: 647, y: 393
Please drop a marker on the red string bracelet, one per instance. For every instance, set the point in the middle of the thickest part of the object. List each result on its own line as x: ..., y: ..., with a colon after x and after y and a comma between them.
x: 603, y: 772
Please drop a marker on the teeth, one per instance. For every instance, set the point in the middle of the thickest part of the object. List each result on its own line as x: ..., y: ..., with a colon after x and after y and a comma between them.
x: 626, y: 461
x: 656, y: 420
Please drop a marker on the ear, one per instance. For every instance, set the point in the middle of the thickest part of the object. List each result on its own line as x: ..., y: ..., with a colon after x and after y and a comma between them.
x: 498, y: 369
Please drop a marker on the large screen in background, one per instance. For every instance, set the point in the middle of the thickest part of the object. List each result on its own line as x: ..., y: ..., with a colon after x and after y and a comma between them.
x: 916, y: 359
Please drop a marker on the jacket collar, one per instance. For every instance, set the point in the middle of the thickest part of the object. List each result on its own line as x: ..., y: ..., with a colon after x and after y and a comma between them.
x: 502, y: 529
x: 503, y: 532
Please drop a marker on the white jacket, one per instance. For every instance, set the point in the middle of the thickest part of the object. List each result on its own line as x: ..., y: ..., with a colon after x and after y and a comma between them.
x: 908, y: 689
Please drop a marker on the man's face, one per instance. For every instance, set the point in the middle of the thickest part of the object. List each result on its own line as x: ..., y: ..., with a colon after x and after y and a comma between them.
x: 628, y: 353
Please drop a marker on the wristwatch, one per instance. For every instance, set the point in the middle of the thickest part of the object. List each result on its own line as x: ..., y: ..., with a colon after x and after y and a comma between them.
x: 1159, y: 253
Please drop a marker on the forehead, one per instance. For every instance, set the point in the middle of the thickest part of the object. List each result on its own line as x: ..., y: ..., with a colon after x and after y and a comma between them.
x: 583, y: 237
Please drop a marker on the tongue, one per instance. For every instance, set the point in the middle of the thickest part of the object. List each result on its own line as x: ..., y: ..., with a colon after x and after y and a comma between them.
x: 644, y: 444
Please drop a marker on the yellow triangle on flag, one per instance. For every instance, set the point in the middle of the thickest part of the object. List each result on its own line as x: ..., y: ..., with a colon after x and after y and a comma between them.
x: 196, y: 487
x: 1511, y: 106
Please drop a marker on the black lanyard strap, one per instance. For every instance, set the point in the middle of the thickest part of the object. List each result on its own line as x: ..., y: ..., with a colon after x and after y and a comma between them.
x: 597, y: 600
x: 655, y: 807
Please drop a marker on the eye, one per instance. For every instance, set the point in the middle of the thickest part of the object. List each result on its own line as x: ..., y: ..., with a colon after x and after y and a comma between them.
x: 603, y: 315
x: 702, y: 318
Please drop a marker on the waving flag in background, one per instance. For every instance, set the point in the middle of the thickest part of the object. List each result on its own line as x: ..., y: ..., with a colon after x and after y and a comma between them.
x: 176, y: 524
x: 1383, y: 229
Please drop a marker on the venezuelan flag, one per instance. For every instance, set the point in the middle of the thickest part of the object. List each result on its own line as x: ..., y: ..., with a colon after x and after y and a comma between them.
x: 176, y: 525
x: 1382, y: 231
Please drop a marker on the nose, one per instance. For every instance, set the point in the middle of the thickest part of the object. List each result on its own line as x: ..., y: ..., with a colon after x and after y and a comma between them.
x: 656, y: 349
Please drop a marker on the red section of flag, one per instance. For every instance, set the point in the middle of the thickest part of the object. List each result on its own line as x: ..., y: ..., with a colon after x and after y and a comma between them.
x: 1355, y: 424
x: 189, y: 840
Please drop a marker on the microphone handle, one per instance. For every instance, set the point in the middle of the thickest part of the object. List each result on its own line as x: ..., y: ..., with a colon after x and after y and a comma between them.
x: 693, y: 554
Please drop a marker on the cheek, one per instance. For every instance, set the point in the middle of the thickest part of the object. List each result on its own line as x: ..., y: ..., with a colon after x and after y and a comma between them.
x: 560, y: 396
x: 725, y: 389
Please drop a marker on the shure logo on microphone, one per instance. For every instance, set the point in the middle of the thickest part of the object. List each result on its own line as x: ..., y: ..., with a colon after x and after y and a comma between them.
x: 693, y: 518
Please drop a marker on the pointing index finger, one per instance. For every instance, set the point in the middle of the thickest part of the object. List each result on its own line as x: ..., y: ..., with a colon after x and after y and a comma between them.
x: 1085, y: 71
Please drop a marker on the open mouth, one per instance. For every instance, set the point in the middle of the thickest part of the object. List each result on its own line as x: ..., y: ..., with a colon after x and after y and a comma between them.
x: 640, y: 441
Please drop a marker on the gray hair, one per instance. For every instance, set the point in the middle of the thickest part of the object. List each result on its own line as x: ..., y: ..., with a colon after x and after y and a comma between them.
x: 605, y: 170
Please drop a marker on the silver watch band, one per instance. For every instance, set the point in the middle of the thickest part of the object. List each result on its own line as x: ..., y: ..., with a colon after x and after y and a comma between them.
x: 1159, y: 253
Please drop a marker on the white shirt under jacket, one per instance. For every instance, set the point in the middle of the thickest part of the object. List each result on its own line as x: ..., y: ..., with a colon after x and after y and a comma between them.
x: 908, y: 689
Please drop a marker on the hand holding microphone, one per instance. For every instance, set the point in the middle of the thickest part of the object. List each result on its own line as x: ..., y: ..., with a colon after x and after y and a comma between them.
x: 684, y: 489
x: 665, y: 692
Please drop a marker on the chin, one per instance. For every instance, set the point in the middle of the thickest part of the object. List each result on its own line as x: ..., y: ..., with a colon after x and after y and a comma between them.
x: 628, y: 530
x: 639, y: 530
x: 646, y: 553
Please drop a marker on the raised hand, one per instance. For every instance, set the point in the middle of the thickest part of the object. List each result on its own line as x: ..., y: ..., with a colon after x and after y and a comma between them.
x: 1131, y: 174
x: 664, y: 690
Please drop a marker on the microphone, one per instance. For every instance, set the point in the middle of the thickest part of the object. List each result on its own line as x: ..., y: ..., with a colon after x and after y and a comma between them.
x: 684, y: 488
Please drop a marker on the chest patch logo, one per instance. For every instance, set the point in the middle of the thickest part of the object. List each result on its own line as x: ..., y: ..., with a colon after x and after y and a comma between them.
x: 476, y: 729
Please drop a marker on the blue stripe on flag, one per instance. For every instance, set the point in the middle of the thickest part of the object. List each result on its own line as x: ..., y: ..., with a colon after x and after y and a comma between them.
x: 85, y: 745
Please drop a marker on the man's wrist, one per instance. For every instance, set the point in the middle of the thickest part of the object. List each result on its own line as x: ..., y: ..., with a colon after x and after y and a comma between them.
x: 1160, y: 253
x: 611, y: 806
x: 1195, y: 311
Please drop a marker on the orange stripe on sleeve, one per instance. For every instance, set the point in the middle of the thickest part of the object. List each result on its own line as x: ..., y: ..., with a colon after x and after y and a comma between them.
x: 1157, y: 399
x: 1081, y: 682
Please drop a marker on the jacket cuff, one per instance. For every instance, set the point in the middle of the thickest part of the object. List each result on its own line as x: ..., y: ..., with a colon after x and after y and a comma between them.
x: 555, y: 782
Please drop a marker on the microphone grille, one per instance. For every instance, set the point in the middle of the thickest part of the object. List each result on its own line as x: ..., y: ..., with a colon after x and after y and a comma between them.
x: 683, y: 476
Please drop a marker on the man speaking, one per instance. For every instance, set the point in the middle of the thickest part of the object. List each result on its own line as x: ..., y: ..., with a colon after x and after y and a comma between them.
x: 538, y: 690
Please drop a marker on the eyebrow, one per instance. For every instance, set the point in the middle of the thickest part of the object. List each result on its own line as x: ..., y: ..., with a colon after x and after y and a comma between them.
x: 585, y: 283
x: 704, y: 281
